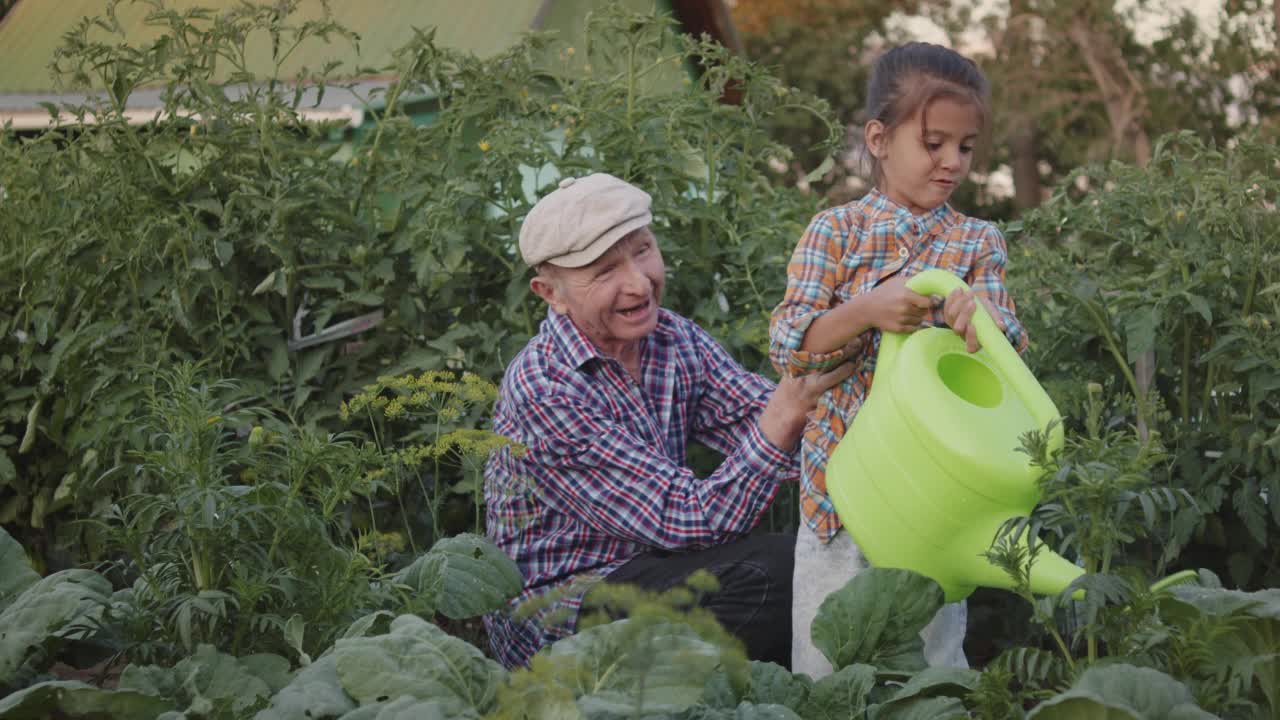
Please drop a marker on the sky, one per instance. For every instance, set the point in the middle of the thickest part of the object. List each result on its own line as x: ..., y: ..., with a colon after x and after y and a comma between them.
x: 1150, y: 21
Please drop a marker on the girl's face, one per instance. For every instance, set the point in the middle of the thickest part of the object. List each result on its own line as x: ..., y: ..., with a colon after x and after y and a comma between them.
x: 923, y: 160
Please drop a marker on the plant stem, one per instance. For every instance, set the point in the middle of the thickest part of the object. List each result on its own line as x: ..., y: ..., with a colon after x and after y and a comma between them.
x: 1090, y: 634
x: 631, y: 81
x: 1185, y: 398
x: 393, y: 98
x: 1139, y: 396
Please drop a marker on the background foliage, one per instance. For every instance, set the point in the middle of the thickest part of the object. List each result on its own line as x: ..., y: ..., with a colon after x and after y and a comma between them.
x: 232, y: 239
x: 264, y: 542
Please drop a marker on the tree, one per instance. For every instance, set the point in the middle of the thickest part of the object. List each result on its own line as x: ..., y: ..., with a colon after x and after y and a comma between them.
x: 824, y: 47
x: 1072, y: 83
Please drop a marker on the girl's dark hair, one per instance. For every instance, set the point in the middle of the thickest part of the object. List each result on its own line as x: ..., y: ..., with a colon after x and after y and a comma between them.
x: 909, y: 78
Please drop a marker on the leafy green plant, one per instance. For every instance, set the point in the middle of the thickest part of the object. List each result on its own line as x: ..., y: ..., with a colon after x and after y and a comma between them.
x: 307, y: 260
x: 1160, y: 283
x: 234, y: 526
x: 425, y: 430
x: 37, y: 615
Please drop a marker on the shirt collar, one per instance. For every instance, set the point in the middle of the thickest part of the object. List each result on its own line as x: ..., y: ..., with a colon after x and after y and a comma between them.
x: 579, y: 350
x: 932, y: 222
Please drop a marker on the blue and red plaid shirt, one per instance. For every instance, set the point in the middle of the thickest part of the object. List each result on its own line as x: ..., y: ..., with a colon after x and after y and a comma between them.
x: 603, y: 477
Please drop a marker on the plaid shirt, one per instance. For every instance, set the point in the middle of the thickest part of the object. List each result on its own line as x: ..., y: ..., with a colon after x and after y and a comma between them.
x: 846, y: 251
x: 603, y: 478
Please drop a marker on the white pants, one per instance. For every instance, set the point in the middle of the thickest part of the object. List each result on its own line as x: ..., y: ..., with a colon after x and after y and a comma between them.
x: 823, y: 569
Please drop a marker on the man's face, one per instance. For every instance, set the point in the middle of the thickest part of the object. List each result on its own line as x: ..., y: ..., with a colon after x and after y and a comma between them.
x: 614, y: 300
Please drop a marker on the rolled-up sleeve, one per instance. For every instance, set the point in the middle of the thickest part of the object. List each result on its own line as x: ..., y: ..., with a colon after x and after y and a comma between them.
x: 727, y: 415
x: 988, y: 279
x: 811, y: 281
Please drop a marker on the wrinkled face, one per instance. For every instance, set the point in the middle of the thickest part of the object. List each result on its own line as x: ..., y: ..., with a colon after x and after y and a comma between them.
x: 922, y: 161
x: 614, y: 300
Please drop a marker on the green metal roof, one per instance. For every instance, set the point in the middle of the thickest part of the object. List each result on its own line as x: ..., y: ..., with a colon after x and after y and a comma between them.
x: 33, y: 29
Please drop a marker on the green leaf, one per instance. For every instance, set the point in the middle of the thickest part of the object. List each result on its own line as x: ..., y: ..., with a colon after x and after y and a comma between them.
x: 755, y: 711
x: 876, y: 619
x: 16, y: 574
x: 823, y: 168
x: 1200, y: 305
x: 270, y: 668
x: 842, y: 694
x: 933, y: 692
x: 212, y: 679
x: 278, y: 364
x: 775, y: 685
x: 310, y: 364
x: 44, y: 609
x: 223, y: 250
x: 420, y: 660
x: 1140, y: 326
x: 464, y: 576
x: 294, y: 632
x: 938, y: 681
x: 315, y: 692
x: 1033, y: 667
x: 362, y: 625
x: 407, y: 708
x: 1122, y: 691
x: 211, y: 205
x: 76, y: 699
x: 267, y: 283
x: 1078, y: 707
x: 920, y: 708
x: 633, y: 667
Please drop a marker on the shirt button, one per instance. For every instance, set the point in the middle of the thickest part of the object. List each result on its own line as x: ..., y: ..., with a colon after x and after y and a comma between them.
x: 902, y: 252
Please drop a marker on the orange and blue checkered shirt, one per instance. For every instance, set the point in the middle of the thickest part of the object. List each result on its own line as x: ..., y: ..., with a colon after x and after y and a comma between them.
x: 846, y: 251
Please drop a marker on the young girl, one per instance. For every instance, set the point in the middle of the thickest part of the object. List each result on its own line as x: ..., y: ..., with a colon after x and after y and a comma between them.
x: 927, y: 106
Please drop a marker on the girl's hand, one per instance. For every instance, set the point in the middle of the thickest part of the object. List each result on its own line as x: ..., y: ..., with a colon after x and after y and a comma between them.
x: 958, y: 313
x: 895, y: 308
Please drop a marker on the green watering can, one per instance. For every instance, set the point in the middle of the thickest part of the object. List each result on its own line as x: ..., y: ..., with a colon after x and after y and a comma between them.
x: 929, y: 469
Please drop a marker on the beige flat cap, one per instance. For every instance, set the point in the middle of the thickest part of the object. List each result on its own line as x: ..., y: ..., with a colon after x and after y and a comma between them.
x: 576, y: 223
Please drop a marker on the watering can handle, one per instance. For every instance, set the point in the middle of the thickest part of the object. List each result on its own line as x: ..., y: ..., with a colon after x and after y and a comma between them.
x: 1024, y: 384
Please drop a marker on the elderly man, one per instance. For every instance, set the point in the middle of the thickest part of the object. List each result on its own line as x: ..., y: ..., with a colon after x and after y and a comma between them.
x: 606, y: 398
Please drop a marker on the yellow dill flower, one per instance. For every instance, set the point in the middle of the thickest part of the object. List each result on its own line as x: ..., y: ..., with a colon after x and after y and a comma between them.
x: 394, y: 409
x: 484, y: 146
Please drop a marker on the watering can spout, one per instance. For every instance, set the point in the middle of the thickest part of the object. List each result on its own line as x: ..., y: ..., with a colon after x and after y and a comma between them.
x: 1049, y: 574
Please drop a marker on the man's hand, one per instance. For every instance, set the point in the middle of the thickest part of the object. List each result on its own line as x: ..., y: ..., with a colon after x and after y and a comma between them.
x: 958, y: 313
x: 782, y: 421
x: 895, y: 308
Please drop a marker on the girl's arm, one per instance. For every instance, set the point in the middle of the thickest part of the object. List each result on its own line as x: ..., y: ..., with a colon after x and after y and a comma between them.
x: 889, y: 306
x: 807, y: 334
x: 812, y: 277
x: 987, y: 279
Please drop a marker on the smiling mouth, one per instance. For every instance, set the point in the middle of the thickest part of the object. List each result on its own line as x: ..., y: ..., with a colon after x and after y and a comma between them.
x: 635, y: 310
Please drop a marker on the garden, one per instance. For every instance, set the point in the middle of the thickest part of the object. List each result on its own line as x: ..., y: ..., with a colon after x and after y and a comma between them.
x: 247, y: 364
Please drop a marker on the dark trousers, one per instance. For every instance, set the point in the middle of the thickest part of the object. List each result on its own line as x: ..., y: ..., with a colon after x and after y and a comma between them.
x: 754, y: 599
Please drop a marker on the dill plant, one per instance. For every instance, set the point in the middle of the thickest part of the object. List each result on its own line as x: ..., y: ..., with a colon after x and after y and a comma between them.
x: 423, y: 428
